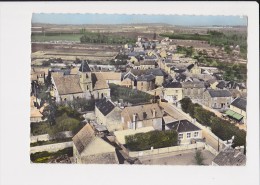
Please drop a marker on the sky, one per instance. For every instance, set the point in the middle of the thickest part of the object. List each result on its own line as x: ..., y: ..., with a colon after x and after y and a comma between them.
x: 183, y: 20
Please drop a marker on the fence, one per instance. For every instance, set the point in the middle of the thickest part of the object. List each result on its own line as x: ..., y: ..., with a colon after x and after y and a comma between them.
x: 51, y: 148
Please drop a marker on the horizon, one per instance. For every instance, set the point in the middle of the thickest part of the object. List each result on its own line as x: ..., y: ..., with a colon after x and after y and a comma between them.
x: 121, y: 19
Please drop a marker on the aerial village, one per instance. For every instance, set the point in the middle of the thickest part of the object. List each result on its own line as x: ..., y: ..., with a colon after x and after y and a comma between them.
x: 153, y: 104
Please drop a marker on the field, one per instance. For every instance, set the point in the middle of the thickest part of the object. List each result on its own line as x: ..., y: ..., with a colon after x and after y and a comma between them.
x: 57, y: 37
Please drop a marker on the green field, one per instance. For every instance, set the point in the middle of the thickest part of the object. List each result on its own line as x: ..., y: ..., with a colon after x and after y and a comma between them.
x: 56, y: 37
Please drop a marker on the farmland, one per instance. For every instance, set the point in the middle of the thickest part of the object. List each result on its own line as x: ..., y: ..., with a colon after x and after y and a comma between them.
x: 56, y: 37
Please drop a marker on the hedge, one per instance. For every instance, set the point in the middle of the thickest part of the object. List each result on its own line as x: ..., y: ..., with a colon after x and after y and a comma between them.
x: 155, y: 139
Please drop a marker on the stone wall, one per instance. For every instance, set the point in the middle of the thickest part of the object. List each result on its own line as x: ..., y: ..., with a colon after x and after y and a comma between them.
x: 51, y: 148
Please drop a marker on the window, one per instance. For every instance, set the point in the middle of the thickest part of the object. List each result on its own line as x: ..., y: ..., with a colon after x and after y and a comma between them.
x: 188, y: 135
x: 196, y: 134
x: 180, y: 136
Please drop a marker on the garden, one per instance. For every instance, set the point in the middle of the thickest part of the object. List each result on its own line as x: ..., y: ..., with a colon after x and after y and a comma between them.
x: 155, y: 139
x: 132, y: 96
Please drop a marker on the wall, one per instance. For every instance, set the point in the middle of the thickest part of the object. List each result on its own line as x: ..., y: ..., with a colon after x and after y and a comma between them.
x: 46, y: 137
x: 159, y: 80
x: 106, y: 158
x: 127, y: 83
x: 169, y: 93
x: 144, y: 153
x: 51, y: 147
x: 186, y: 140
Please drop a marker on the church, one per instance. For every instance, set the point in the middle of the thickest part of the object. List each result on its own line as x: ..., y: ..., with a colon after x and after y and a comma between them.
x: 83, y: 84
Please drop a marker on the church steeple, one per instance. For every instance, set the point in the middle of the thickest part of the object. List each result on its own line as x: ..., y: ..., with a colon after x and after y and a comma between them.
x: 85, y: 77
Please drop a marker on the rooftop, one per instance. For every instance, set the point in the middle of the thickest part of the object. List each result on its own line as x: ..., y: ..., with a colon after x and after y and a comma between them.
x: 183, y: 126
x: 219, y: 93
x: 239, y: 103
x: 68, y: 84
x: 172, y: 85
x: 141, y: 109
x: 105, y: 106
x: 84, y: 67
x: 230, y: 157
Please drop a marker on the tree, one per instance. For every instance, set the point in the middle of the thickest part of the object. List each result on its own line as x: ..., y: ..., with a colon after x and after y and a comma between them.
x: 199, y: 158
x: 49, y: 112
x: 185, y: 103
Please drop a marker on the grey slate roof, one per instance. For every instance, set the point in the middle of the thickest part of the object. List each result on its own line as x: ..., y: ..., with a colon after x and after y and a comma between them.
x: 183, y: 126
x: 239, y: 103
x: 221, y: 85
x: 219, y: 93
x: 105, y: 106
x: 193, y: 85
x: 84, y: 67
x: 149, y: 77
x: 156, y: 72
x: 234, y: 85
x: 172, y: 85
x: 230, y: 157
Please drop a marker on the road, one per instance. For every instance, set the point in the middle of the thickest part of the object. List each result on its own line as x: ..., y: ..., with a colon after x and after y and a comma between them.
x: 179, y: 114
x: 183, y: 158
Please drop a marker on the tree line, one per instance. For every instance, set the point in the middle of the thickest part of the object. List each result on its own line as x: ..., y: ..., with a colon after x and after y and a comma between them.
x: 221, y: 128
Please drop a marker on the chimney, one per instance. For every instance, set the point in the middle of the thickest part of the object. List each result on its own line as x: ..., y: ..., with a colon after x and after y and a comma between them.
x: 134, y: 121
x: 154, y: 113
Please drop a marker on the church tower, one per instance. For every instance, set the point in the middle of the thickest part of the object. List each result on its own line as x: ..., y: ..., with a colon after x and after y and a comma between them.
x: 85, y: 77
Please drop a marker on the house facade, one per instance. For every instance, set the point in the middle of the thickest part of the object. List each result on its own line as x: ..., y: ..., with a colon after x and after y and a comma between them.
x: 187, y: 132
x: 108, y: 114
x: 135, y: 117
x: 193, y: 90
x: 145, y: 82
x: 173, y: 92
x: 217, y: 99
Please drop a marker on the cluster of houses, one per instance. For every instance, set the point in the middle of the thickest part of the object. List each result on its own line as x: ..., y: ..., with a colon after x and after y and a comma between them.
x: 152, y: 67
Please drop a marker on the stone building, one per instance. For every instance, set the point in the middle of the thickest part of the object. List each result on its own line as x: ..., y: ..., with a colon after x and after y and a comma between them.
x: 145, y: 82
x: 84, y: 84
x: 193, y: 90
x: 108, y: 114
x: 172, y: 92
x: 142, y: 116
x: 237, y: 110
x: 187, y: 132
x: 91, y: 149
x: 217, y: 99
